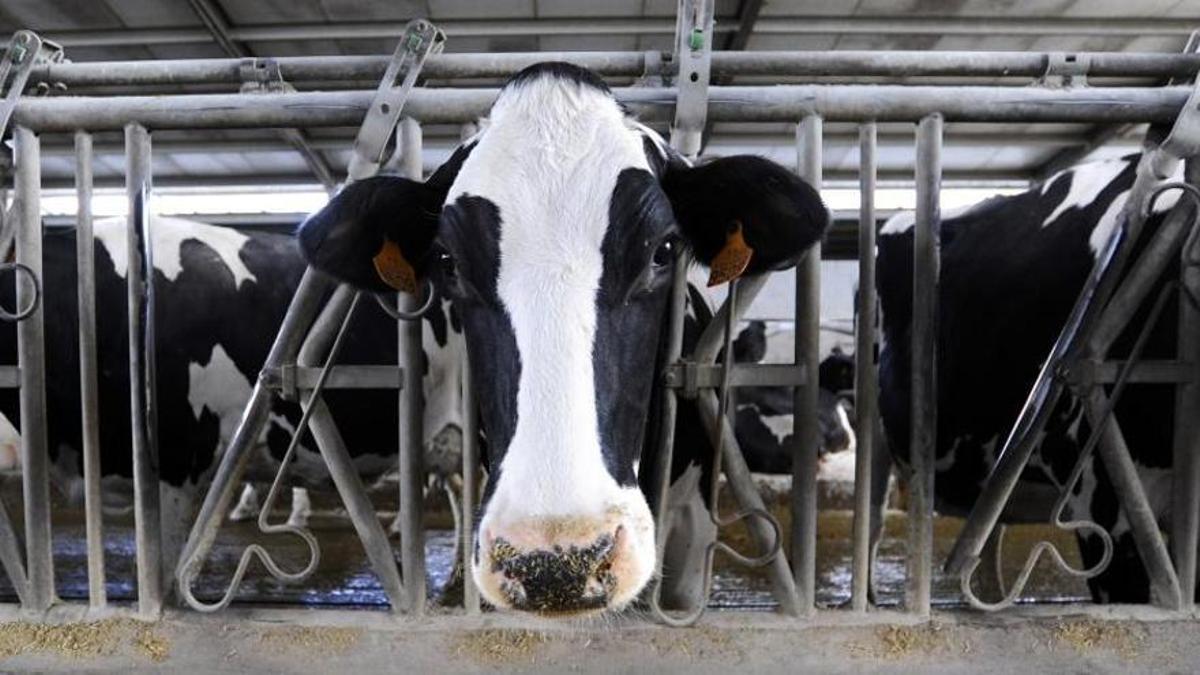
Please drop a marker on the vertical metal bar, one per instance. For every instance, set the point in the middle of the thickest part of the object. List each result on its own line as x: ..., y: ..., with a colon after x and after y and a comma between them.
x: 31, y: 351
x: 89, y: 393
x: 807, y: 436
x: 923, y: 444
x: 471, y: 468
x: 1185, y: 487
x: 412, y: 404
x: 140, y: 279
x: 864, y: 368
x: 470, y: 488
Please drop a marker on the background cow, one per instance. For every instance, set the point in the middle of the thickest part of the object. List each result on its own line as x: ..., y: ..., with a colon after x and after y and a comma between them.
x: 1011, y: 270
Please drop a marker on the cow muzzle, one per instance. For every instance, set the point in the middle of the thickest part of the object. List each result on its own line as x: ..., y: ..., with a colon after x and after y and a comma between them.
x: 561, y: 566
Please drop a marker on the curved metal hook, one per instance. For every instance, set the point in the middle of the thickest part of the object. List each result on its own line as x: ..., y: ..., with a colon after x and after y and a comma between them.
x: 22, y: 314
x: 1188, y: 189
x: 264, y: 525
x: 390, y: 308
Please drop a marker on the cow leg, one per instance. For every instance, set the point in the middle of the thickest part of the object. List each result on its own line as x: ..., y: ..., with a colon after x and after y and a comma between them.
x: 301, y: 508
x: 690, y: 531
x: 247, y: 506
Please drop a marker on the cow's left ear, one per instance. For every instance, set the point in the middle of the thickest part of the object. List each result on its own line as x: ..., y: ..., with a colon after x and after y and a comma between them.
x: 744, y: 214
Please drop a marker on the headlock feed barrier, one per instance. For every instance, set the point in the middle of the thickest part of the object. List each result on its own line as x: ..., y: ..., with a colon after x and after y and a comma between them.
x: 678, y: 88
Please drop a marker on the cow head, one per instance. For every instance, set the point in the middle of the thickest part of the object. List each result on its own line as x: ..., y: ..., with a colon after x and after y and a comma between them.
x: 555, y: 231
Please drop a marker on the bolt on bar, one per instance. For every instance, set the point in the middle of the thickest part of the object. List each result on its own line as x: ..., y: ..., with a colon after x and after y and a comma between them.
x: 865, y: 376
x: 807, y: 436
x: 1185, y: 488
x: 744, y: 104
x: 31, y: 351
x: 923, y: 442
x: 412, y: 402
x: 140, y: 279
x: 89, y: 392
x: 297, y: 69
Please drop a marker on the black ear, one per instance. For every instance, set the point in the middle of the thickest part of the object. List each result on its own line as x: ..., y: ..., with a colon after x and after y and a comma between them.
x: 781, y: 216
x: 343, y: 238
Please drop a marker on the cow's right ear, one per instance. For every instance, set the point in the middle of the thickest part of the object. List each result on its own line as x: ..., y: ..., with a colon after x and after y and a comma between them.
x: 375, y: 233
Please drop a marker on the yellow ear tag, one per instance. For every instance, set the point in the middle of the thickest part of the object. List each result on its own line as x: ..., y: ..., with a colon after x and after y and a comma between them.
x: 732, y: 259
x: 394, y: 269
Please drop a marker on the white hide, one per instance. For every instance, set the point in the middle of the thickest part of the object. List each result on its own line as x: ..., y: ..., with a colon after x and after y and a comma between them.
x: 562, y: 148
x: 221, y: 388
x: 1088, y: 180
x: 169, y: 235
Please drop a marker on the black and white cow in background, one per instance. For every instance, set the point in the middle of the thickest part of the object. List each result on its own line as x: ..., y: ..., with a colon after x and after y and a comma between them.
x: 1012, y: 267
x: 222, y: 293
x: 555, y: 231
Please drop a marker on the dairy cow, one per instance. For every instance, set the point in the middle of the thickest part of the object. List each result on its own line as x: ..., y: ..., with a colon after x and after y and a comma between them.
x: 221, y: 295
x: 1012, y: 267
x: 555, y: 231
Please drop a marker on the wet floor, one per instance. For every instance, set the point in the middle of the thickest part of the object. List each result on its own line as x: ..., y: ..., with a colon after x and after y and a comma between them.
x: 344, y: 578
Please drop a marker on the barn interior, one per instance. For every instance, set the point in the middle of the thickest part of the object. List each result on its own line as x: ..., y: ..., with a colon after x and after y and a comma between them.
x: 272, y: 179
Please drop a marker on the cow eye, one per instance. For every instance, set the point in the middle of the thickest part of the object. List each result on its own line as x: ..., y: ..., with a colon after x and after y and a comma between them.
x: 448, y: 266
x: 665, y: 253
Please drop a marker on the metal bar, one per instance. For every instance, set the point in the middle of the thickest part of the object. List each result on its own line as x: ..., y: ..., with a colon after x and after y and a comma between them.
x: 807, y: 436
x: 731, y: 63
x: 693, y: 54
x: 747, y: 104
x: 470, y: 486
x: 923, y: 443
x: 306, y: 302
x: 10, y: 377
x: 31, y: 351
x: 89, y: 388
x: 333, y: 450
x: 865, y: 375
x: 1114, y: 452
x: 290, y: 378
x: 1087, y: 372
x: 140, y: 280
x: 412, y: 406
x: 896, y: 24
x: 741, y: 375
x: 1185, y: 475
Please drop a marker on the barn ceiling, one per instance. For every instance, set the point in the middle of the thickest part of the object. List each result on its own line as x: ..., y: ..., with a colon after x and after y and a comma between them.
x: 95, y: 30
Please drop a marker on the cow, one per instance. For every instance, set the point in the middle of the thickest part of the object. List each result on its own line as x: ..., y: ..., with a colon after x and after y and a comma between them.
x: 555, y: 231
x: 1011, y: 269
x: 221, y: 295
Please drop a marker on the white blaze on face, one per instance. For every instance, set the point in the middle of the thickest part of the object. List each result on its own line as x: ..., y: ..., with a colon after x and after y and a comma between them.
x: 549, y: 159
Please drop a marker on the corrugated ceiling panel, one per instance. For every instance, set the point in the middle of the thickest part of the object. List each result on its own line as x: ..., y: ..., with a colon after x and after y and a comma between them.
x: 472, y: 9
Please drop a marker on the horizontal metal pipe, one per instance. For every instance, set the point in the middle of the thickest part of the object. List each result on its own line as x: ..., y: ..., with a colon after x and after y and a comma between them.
x: 808, y: 25
x: 745, y: 104
x: 624, y: 64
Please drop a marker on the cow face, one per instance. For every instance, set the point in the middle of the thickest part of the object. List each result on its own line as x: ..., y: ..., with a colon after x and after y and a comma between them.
x: 555, y: 231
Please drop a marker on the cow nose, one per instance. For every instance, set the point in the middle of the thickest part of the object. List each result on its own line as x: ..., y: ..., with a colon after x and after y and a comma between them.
x: 556, y: 579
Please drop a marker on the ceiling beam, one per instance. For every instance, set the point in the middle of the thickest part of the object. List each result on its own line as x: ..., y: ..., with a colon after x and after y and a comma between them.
x: 217, y: 24
x: 814, y: 25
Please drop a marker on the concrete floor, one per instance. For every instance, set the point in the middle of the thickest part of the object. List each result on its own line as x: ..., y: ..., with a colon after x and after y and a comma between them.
x: 1112, y: 639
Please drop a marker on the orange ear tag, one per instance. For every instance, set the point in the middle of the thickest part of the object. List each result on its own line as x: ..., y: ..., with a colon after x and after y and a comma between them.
x: 732, y: 259
x: 394, y: 269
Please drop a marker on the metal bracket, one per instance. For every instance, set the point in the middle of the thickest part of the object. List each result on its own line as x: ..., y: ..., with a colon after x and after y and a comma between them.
x: 693, y: 54
x: 262, y: 76
x: 690, y: 377
x: 653, y: 70
x: 421, y: 39
x: 1066, y: 69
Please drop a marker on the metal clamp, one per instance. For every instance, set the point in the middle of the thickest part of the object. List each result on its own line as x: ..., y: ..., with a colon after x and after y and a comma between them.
x: 693, y: 54
x: 22, y: 313
x: 421, y: 39
x: 1066, y: 69
x: 262, y: 76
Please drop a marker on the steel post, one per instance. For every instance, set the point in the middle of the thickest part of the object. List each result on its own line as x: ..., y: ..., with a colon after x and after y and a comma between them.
x: 1185, y: 477
x: 31, y: 353
x: 807, y: 434
x: 865, y: 375
x: 412, y: 406
x: 923, y: 443
x: 89, y: 389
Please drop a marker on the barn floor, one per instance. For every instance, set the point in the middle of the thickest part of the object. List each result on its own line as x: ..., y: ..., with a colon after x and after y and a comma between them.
x: 1116, y: 640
